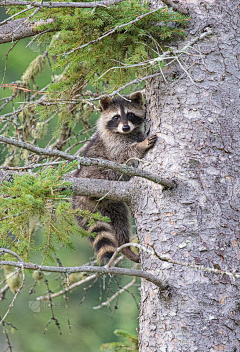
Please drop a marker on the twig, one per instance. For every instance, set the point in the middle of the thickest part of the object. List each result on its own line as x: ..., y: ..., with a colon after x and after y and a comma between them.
x: 196, y: 267
x: 163, y: 258
x: 106, y: 303
x: 8, y: 100
x: 171, y: 52
x: 52, y: 311
x: 118, y: 250
x: 68, y: 288
x: 33, y: 166
x: 3, y: 292
x: 135, y: 81
x: 5, y: 70
x: 7, y: 337
x: 36, y: 36
x: 15, y: 15
x: 16, y: 294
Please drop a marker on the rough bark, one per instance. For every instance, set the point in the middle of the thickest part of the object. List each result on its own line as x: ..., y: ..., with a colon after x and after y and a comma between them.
x: 198, y: 129
x: 19, y: 29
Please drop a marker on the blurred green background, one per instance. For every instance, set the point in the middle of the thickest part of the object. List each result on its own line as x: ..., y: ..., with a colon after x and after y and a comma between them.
x: 89, y: 328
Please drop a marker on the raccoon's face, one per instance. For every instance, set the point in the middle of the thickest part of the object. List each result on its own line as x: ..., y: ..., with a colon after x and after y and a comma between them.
x: 121, y: 115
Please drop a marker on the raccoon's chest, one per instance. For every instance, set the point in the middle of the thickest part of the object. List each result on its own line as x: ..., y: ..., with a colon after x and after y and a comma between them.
x: 117, y: 150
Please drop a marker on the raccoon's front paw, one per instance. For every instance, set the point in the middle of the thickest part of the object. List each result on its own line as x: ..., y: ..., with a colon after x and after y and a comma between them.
x: 151, y: 141
x: 146, y: 144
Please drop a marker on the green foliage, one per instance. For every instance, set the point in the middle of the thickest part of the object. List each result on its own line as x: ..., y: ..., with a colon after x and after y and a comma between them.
x: 133, y: 43
x: 29, y: 203
x: 115, y: 41
x: 130, y: 345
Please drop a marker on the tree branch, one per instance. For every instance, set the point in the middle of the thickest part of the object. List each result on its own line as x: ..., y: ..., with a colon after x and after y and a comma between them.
x: 74, y: 285
x: 52, y: 5
x: 121, y: 168
x: 87, y: 269
x: 176, y: 6
x: 19, y: 29
x: 101, y: 188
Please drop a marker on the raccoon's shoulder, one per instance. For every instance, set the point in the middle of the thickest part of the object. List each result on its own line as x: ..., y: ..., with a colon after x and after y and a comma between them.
x: 96, y: 148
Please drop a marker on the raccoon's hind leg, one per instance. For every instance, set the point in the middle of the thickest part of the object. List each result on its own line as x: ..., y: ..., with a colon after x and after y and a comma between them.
x: 119, y: 215
x: 105, y: 242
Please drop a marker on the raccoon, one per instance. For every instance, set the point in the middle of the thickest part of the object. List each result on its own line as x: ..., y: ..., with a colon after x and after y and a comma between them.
x: 119, y: 137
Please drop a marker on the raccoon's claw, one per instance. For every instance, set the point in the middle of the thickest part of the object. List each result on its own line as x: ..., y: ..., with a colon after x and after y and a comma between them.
x: 151, y: 140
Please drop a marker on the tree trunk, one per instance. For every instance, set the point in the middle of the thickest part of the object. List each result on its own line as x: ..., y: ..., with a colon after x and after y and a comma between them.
x: 198, y: 222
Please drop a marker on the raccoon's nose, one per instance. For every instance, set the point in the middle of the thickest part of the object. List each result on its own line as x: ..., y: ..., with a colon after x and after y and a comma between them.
x: 125, y: 128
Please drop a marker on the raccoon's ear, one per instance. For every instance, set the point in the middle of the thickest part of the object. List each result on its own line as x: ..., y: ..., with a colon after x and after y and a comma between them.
x: 137, y: 98
x: 105, y: 102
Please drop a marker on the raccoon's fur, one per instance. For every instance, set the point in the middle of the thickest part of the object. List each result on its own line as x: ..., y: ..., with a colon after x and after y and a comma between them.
x: 119, y: 137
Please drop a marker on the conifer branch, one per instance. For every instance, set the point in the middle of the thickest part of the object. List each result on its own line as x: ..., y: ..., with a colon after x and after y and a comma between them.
x: 54, y: 5
x: 111, y: 31
x: 121, y: 168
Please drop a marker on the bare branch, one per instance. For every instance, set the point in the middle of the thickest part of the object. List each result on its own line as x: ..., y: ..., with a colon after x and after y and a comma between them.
x: 54, y: 5
x: 9, y: 251
x: 118, y: 250
x: 92, y: 188
x: 101, y: 188
x: 164, y: 258
x: 124, y: 169
x: 19, y: 29
x: 74, y: 285
x: 89, y: 269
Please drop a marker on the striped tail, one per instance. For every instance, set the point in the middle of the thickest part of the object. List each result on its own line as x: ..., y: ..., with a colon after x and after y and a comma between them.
x: 104, y: 243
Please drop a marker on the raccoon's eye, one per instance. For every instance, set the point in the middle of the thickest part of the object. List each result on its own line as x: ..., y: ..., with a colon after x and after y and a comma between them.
x: 116, y: 117
x: 130, y: 115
